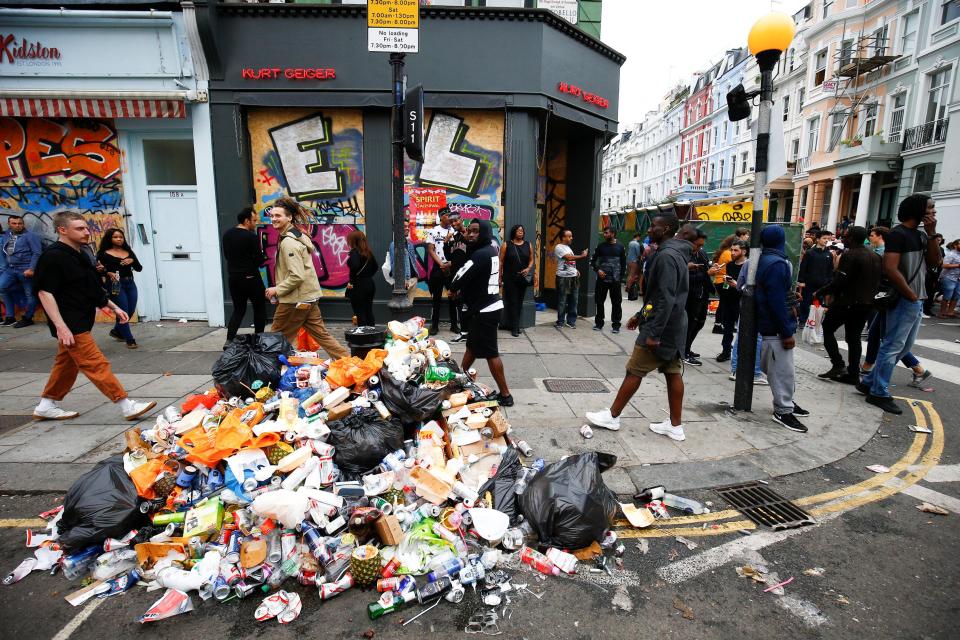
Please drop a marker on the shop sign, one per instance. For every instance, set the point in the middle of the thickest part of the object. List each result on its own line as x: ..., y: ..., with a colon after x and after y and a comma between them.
x: 393, y: 26
x: 566, y: 9
x: 586, y: 96
x: 290, y: 73
x: 14, y: 51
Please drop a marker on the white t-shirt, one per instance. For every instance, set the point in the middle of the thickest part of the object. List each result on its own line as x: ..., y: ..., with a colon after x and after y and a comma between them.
x: 565, y: 269
x: 437, y: 236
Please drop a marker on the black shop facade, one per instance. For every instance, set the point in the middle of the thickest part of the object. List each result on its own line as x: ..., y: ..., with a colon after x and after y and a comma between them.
x: 518, y: 105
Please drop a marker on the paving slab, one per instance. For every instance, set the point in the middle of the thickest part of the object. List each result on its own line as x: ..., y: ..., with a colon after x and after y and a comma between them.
x: 62, y: 442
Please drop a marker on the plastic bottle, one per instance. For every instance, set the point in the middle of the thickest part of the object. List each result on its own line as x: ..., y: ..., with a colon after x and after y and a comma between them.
x: 289, y: 567
x: 538, y: 561
x: 523, y: 480
x: 682, y: 504
x: 76, y: 565
x: 393, y: 461
x: 448, y: 568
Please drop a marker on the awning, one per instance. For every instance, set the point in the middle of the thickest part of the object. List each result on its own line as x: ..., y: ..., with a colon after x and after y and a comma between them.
x: 92, y: 108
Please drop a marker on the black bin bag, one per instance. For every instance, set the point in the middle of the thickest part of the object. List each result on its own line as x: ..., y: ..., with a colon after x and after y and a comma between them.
x: 250, y: 357
x: 101, y: 504
x: 410, y: 402
x: 567, y: 504
x: 501, y: 485
x: 362, y: 440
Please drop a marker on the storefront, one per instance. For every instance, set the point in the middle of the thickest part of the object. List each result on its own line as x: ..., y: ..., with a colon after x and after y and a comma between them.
x: 101, y: 113
x: 518, y: 106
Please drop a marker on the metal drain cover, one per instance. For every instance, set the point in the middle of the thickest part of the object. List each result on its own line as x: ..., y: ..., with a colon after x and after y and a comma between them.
x: 9, y: 423
x: 575, y: 385
x: 765, y: 506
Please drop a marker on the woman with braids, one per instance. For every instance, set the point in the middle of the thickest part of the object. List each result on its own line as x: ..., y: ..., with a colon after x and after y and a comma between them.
x: 296, y: 291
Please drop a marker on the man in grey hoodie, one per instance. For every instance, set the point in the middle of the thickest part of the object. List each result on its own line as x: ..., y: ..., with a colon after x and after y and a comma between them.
x: 663, y: 327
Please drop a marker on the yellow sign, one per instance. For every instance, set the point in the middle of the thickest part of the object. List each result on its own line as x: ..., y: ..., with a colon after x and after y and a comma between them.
x: 393, y: 14
x: 728, y: 211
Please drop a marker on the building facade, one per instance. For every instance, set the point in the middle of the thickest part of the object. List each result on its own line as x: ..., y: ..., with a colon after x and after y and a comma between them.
x: 105, y: 112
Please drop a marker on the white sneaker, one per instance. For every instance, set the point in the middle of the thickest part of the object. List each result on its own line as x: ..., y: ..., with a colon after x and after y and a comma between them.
x: 732, y: 376
x: 666, y: 428
x: 761, y: 380
x: 133, y: 409
x: 51, y: 411
x: 603, y: 419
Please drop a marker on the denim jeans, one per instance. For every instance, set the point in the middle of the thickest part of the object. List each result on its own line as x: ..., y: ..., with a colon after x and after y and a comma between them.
x: 950, y: 288
x: 568, y: 291
x: 734, y: 355
x: 10, y: 281
x: 126, y: 300
x: 902, y: 325
x: 877, y: 331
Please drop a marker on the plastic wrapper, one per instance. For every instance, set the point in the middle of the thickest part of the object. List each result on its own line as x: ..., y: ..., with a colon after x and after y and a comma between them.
x: 348, y: 372
x: 501, y: 485
x: 567, y: 504
x: 362, y: 440
x: 289, y: 507
x: 103, y: 503
x: 248, y: 358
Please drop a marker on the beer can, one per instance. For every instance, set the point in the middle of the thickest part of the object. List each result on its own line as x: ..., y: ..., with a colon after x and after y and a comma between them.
x: 307, y: 578
x: 372, y: 395
x: 243, y: 589
x: 226, y: 533
x: 327, y: 471
x: 233, y: 548
x: 230, y: 573
x: 332, y: 589
x: 288, y: 544
x: 388, y: 584
x: 289, y: 436
x: 322, y: 449
x: 382, y: 505
x: 221, y: 588
x: 274, y: 551
x: 525, y: 448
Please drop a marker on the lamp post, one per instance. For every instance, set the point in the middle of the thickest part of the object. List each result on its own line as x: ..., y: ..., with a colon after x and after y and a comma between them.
x: 768, y: 38
x: 399, y: 304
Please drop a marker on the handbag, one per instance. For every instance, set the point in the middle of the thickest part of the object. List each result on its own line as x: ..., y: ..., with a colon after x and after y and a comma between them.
x: 887, y: 297
x: 523, y: 279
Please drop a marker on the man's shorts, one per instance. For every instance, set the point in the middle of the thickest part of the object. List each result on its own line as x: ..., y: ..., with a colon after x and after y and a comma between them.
x: 643, y: 361
x: 482, y: 334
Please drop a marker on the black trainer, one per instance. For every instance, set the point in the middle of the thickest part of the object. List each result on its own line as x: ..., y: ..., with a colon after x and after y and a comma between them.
x: 848, y: 378
x: 790, y: 422
x: 694, y: 354
x: 503, y: 400
x: 835, y: 372
x: 723, y: 357
x: 886, y: 403
x: 862, y: 389
x: 9, y: 321
x: 800, y: 411
x: 23, y: 322
x: 691, y: 360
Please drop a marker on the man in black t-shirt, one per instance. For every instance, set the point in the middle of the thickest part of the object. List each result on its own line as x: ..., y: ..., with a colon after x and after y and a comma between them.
x: 244, y: 256
x: 907, y: 255
x: 68, y: 287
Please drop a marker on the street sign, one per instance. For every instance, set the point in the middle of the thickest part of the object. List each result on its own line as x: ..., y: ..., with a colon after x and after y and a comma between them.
x: 393, y: 26
x: 413, y: 123
x: 566, y: 9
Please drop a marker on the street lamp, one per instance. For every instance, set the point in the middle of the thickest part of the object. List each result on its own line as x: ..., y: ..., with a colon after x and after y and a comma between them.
x: 769, y: 37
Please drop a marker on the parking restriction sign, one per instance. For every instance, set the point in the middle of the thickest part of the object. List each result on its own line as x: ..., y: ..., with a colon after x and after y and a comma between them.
x: 393, y: 26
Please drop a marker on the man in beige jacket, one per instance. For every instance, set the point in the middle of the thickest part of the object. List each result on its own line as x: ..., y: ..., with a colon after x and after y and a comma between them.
x: 297, y: 289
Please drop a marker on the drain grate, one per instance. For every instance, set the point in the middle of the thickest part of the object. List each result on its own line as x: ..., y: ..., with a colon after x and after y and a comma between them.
x: 9, y: 423
x: 765, y: 506
x: 575, y: 385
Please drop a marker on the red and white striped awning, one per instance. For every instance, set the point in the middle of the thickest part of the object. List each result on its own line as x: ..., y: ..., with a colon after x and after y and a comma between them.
x: 91, y: 108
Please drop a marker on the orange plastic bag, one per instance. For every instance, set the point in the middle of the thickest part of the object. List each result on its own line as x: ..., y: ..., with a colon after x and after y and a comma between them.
x: 348, y: 372
x: 305, y: 342
x: 233, y: 434
x: 207, y: 400
x: 144, y: 476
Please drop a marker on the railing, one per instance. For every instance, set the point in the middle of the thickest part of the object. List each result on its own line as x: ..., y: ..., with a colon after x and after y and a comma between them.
x: 925, y: 135
x: 896, y: 126
x: 715, y: 185
x: 801, y: 165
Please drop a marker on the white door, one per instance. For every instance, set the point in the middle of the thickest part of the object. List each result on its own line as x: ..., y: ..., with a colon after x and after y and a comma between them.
x: 176, y: 248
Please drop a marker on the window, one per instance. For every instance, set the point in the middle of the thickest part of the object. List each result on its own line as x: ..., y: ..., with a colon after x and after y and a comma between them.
x: 634, y: 171
x: 880, y: 41
x: 791, y: 57
x: 908, y: 33
x: 813, y: 135
x: 820, y: 67
x: 826, y: 7
x: 169, y: 162
x: 618, y: 177
x: 937, y: 95
x: 712, y: 173
x: 898, y: 105
x: 846, y: 52
x: 786, y: 108
x: 716, y: 135
x: 794, y: 148
x: 950, y: 11
x: 803, y: 204
x: 633, y: 197
x: 837, y: 123
x: 923, y: 178
x: 744, y: 158
x: 870, y: 121
x: 721, y: 170
x: 801, y: 94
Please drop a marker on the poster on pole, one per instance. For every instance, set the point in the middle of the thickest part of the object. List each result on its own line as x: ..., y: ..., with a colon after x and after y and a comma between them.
x: 393, y: 26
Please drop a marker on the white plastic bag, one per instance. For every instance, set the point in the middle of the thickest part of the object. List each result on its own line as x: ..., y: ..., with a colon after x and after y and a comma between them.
x: 286, y: 506
x: 813, y: 330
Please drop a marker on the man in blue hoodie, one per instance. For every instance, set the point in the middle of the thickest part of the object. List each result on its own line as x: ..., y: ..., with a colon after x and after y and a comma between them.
x: 21, y: 251
x: 777, y: 323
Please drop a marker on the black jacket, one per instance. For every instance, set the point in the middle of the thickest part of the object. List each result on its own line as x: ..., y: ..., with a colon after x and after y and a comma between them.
x: 478, y: 280
x: 857, y: 278
x: 816, y: 268
x: 667, y: 286
x: 611, y: 259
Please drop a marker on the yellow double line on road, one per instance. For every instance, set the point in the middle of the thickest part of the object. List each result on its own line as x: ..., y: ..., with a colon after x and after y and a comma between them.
x: 875, y: 488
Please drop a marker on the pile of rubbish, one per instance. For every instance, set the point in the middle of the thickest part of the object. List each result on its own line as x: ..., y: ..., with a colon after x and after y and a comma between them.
x: 392, y: 472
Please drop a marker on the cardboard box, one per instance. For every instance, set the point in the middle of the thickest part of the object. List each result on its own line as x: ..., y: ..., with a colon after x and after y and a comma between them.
x: 498, y: 422
x: 204, y: 520
x: 388, y: 530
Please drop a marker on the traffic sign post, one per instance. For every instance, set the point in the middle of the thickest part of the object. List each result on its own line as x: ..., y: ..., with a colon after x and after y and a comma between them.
x: 393, y: 26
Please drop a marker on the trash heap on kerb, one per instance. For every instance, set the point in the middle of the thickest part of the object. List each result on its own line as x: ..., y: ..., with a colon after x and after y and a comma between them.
x: 298, y: 479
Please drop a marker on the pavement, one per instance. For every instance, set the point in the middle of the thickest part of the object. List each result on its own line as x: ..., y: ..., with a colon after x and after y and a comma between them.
x: 175, y: 359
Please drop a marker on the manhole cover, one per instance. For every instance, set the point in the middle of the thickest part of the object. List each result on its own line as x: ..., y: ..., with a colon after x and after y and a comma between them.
x: 765, y: 506
x: 575, y: 385
x: 9, y: 423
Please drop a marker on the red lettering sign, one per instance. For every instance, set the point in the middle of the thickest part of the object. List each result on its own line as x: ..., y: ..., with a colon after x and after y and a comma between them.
x: 591, y: 98
x: 290, y: 73
x: 11, y: 52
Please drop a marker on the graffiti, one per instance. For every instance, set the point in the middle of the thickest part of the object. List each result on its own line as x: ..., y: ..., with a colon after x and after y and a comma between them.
x: 447, y: 161
x: 471, y: 210
x: 554, y: 208
x: 316, y: 158
x: 728, y: 211
x: 53, y: 165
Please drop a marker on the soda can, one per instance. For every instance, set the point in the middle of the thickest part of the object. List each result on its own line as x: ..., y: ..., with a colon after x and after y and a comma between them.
x: 429, y: 510
x: 373, y: 381
x: 196, y: 547
x: 243, y: 589
x: 371, y: 395
x: 332, y: 589
x: 525, y: 448
x: 288, y: 544
x: 230, y: 573
x: 112, y: 544
x: 289, y: 436
x: 233, y: 548
x: 226, y: 533
x: 274, y: 551
x: 382, y: 505
x: 215, y: 480
x: 221, y: 588
x: 307, y: 578
x: 327, y: 471
x: 322, y: 449
x: 388, y: 584
x: 250, y: 484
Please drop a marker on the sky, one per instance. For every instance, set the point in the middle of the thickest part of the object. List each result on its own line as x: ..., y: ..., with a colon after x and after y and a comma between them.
x: 666, y: 42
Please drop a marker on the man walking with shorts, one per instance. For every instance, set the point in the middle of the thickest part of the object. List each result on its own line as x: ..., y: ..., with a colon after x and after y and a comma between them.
x: 69, y: 289
x: 663, y: 328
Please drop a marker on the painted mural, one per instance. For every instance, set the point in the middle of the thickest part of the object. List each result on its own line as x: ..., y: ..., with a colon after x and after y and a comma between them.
x: 51, y: 165
x: 554, y: 203
x: 315, y: 157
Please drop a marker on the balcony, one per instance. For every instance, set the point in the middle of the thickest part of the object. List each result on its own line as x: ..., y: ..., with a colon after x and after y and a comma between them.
x: 926, y: 135
x: 800, y: 166
x: 870, y: 146
x: 719, y: 185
